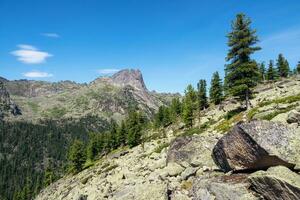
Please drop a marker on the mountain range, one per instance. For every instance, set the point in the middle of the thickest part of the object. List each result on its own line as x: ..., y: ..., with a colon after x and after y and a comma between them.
x: 105, y: 97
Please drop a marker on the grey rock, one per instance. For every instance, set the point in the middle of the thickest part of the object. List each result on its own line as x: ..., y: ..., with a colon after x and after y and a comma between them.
x: 233, y: 187
x: 188, y: 172
x: 194, y: 150
x: 257, y: 145
x: 293, y: 117
x: 276, y: 183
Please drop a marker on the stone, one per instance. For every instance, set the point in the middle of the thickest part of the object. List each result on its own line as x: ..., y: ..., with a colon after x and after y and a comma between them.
x: 276, y: 183
x: 82, y: 197
x: 293, y: 117
x: 258, y: 145
x: 194, y: 150
x: 234, y: 187
x: 188, y: 172
x: 174, y: 169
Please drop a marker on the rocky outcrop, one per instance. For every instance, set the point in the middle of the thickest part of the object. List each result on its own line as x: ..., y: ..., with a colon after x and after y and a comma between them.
x: 130, y: 77
x: 257, y: 145
x: 7, y: 106
x: 276, y: 183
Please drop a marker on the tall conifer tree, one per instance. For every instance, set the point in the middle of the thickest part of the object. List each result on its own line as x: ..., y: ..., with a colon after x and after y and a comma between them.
x: 242, y: 72
x: 202, y: 97
x: 282, y: 66
x: 216, y: 89
x: 262, y: 71
x: 298, y: 68
x: 271, y: 73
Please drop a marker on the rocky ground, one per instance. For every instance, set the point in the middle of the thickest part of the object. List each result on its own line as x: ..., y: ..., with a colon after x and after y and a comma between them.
x: 218, y: 159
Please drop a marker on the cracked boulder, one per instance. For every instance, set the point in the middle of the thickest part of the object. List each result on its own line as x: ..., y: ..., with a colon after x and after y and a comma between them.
x: 258, y: 145
x: 276, y: 183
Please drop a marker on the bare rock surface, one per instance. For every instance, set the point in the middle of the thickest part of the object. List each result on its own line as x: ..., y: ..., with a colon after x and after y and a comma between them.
x: 186, y: 150
x: 234, y: 187
x: 276, y: 183
x: 257, y: 145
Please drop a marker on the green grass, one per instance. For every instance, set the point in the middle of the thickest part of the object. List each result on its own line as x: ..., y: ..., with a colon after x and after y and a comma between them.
x: 55, y: 112
x: 284, y: 100
x: 252, y: 112
x: 226, y: 125
x: 159, y: 148
x: 33, y: 106
x: 233, y: 113
x: 277, y: 112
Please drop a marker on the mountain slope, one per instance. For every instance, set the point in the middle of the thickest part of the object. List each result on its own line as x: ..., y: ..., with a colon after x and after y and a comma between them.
x: 105, y: 97
x: 176, y: 163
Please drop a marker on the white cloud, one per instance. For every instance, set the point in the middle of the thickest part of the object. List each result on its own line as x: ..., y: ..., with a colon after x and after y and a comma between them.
x: 30, y: 55
x: 37, y: 74
x: 27, y: 47
x: 107, y: 71
x: 51, y: 35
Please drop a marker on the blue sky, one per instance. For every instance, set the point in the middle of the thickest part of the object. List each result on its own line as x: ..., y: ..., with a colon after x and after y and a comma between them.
x: 172, y: 42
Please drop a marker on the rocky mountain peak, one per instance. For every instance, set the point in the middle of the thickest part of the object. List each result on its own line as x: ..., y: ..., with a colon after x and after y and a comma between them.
x: 132, y: 77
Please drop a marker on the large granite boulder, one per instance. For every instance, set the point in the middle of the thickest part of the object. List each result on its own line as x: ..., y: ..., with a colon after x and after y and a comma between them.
x: 192, y: 151
x: 276, y: 183
x: 258, y: 145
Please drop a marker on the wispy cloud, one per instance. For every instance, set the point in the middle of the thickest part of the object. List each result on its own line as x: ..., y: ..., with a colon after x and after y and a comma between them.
x: 30, y: 55
x: 286, y: 42
x: 51, y: 35
x: 37, y: 74
x: 288, y: 35
x: 107, y: 71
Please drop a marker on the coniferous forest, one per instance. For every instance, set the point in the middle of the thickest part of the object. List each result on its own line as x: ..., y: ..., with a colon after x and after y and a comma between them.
x: 34, y: 155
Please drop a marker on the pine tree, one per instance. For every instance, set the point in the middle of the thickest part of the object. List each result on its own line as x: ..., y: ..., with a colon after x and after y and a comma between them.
x: 191, y: 93
x: 189, y: 106
x: 242, y: 72
x: 202, y: 98
x: 216, y: 89
x: 271, y: 73
x: 262, y: 71
x: 298, y: 68
x: 92, y: 148
x: 77, y: 156
x: 159, y: 117
x: 134, y: 124
x: 282, y: 66
x: 176, y: 108
x: 122, y: 134
x: 113, y: 134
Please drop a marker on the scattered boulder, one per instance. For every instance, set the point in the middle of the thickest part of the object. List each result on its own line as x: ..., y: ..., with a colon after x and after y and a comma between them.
x: 174, y: 169
x: 276, y: 183
x: 188, y: 172
x: 192, y: 151
x: 234, y: 187
x: 293, y: 117
x: 257, y: 145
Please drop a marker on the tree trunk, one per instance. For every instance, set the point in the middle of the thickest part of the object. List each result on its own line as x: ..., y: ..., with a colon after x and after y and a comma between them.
x: 247, y: 99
